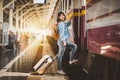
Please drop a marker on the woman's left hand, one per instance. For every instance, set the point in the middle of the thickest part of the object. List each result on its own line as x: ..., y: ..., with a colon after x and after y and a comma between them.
x: 64, y: 43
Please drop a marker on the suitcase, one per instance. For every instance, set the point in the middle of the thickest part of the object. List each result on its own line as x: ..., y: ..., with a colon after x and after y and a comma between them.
x: 43, y: 64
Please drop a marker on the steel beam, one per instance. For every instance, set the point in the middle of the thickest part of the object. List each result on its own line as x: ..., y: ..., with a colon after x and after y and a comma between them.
x: 33, y: 11
x: 36, y: 8
x: 31, y: 14
x: 6, y: 6
x: 22, y: 7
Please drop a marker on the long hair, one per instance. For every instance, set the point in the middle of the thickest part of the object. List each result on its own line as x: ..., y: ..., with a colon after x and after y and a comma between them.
x: 58, y: 20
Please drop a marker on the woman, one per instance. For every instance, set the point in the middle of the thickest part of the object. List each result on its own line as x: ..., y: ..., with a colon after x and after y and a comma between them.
x: 63, y: 41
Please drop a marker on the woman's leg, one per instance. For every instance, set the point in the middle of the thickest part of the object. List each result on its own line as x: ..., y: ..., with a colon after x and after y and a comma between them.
x: 73, y: 50
x: 60, y: 55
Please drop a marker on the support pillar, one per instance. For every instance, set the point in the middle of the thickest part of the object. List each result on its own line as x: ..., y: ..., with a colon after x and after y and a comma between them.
x: 17, y: 26
x: 24, y: 23
x: 27, y: 22
x: 83, y: 22
x: 1, y: 22
x: 76, y: 21
x: 21, y: 20
x: 17, y: 23
x: 1, y: 14
x: 11, y: 19
x: 76, y: 25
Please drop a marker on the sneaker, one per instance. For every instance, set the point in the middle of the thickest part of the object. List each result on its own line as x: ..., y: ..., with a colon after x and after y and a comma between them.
x: 73, y: 61
x: 60, y: 72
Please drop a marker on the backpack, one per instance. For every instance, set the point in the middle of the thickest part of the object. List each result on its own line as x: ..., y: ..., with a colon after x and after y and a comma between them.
x: 55, y: 32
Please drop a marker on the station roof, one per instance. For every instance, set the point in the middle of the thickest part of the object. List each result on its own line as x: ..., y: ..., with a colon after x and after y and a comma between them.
x: 28, y: 10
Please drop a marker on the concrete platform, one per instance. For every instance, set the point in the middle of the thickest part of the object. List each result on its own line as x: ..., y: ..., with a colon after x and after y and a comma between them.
x: 47, y: 77
x: 27, y: 76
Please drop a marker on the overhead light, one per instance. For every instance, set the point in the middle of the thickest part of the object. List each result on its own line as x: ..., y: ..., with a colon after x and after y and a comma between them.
x: 39, y: 1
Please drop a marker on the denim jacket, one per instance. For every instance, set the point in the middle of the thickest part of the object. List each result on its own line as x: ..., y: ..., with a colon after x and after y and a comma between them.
x: 63, y: 31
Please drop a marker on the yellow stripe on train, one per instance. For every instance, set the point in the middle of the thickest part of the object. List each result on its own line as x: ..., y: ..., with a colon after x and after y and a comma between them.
x: 83, y: 12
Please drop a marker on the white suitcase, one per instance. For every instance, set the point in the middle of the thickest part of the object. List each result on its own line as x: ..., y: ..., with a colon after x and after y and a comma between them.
x: 43, y: 64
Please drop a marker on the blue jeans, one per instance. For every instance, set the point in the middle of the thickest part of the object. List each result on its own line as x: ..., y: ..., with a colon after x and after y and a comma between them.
x: 62, y: 51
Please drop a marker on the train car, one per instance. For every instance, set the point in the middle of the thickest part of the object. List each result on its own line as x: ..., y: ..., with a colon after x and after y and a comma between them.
x: 103, y: 44
x: 103, y: 28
